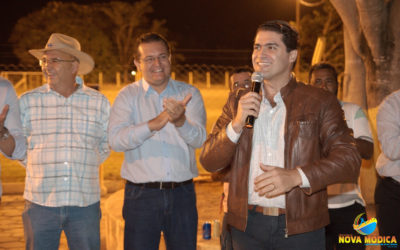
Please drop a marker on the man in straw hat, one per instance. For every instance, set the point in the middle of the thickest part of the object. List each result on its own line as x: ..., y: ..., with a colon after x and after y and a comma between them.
x: 65, y: 124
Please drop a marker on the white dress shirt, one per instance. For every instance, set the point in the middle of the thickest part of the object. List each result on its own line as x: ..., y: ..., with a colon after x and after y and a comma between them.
x: 267, y: 148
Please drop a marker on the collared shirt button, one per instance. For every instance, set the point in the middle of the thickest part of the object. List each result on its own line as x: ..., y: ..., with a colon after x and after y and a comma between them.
x: 65, y: 178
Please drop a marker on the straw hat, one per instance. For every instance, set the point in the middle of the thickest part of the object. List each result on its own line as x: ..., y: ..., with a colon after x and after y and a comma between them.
x: 67, y: 45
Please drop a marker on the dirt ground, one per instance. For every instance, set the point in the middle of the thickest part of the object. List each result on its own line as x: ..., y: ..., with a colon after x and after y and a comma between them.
x: 208, y: 201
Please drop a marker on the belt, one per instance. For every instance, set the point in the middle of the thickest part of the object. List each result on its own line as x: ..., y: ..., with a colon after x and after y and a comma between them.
x: 160, y: 185
x: 390, y: 179
x: 270, y: 211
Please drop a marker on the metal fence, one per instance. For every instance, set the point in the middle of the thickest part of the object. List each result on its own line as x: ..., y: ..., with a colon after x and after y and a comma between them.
x: 28, y: 76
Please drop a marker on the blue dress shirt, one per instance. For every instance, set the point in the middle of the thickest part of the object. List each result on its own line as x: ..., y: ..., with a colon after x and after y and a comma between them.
x: 164, y: 155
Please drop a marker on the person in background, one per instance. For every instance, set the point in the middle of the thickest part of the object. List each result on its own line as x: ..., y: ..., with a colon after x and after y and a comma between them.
x: 158, y: 123
x: 65, y: 124
x: 12, y: 140
x: 281, y: 167
x: 240, y: 80
x: 345, y: 202
x: 387, y: 190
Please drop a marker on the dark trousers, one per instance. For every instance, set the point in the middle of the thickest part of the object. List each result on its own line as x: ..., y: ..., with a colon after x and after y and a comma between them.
x: 148, y: 211
x: 268, y: 232
x: 342, y: 220
x: 225, y: 238
x: 387, y: 203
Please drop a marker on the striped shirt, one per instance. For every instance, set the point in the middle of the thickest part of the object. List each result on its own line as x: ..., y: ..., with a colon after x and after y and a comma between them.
x: 67, y: 141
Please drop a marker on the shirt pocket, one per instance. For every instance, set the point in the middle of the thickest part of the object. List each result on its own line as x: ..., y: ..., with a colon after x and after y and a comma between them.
x: 304, y: 126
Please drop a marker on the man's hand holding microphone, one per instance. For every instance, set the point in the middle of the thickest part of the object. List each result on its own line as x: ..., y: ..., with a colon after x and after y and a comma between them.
x: 249, y: 105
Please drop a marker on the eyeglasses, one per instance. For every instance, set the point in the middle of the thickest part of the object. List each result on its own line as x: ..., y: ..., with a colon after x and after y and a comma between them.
x: 246, y: 85
x: 151, y: 59
x: 45, y: 61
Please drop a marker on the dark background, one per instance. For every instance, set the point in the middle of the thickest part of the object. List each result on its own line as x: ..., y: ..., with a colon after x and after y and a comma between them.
x: 205, y: 30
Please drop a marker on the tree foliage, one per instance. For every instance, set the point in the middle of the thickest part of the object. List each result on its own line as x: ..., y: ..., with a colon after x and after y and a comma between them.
x: 322, y: 22
x: 126, y: 21
x: 106, y: 31
x: 33, y: 31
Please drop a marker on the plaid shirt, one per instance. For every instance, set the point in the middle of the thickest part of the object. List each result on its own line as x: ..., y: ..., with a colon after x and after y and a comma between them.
x: 67, y: 141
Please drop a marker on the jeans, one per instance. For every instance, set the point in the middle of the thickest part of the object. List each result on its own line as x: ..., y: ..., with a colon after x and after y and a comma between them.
x: 43, y: 226
x: 268, y: 232
x: 148, y: 211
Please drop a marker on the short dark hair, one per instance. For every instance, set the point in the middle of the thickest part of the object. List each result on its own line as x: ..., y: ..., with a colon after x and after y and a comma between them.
x: 240, y: 70
x: 322, y: 65
x: 148, y: 38
x: 290, y: 36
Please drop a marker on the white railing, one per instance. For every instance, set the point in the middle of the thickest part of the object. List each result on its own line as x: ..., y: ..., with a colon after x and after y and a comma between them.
x: 205, y: 75
x: 24, y: 80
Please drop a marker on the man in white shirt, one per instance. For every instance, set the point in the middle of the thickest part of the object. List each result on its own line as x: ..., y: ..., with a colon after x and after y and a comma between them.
x: 12, y: 141
x: 345, y: 202
x: 158, y: 123
x: 387, y: 190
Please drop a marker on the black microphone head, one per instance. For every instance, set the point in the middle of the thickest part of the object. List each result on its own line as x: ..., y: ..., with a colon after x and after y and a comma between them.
x: 257, y: 77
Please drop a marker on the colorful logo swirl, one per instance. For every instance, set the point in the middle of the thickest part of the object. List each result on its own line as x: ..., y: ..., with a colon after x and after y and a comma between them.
x: 364, y: 227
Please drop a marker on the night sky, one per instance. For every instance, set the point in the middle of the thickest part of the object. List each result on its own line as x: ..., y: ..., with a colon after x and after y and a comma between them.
x: 213, y: 25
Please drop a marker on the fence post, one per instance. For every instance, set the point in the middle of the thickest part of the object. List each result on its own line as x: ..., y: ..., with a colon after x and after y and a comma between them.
x: 173, y: 75
x: 138, y: 76
x: 191, y: 77
x: 118, y: 79
x: 100, y: 80
x: 103, y: 188
x: 208, y: 79
x: 226, y: 79
x: 25, y: 81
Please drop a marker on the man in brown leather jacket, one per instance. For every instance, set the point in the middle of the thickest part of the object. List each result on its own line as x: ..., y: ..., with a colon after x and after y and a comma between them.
x: 280, y: 168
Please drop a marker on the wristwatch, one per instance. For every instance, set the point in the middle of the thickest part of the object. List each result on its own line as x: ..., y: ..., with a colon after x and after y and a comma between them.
x: 4, y: 134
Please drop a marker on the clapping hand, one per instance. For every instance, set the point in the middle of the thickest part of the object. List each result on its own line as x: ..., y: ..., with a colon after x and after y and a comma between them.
x: 3, y: 116
x: 176, y: 110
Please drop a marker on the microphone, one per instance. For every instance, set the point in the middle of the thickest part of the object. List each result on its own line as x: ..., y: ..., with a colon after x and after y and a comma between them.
x: 257, y: 79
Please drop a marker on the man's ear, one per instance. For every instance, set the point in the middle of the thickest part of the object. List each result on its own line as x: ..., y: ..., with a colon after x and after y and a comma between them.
x: 293, y: 55
x: 75, y: 67
x: 137, y: 64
